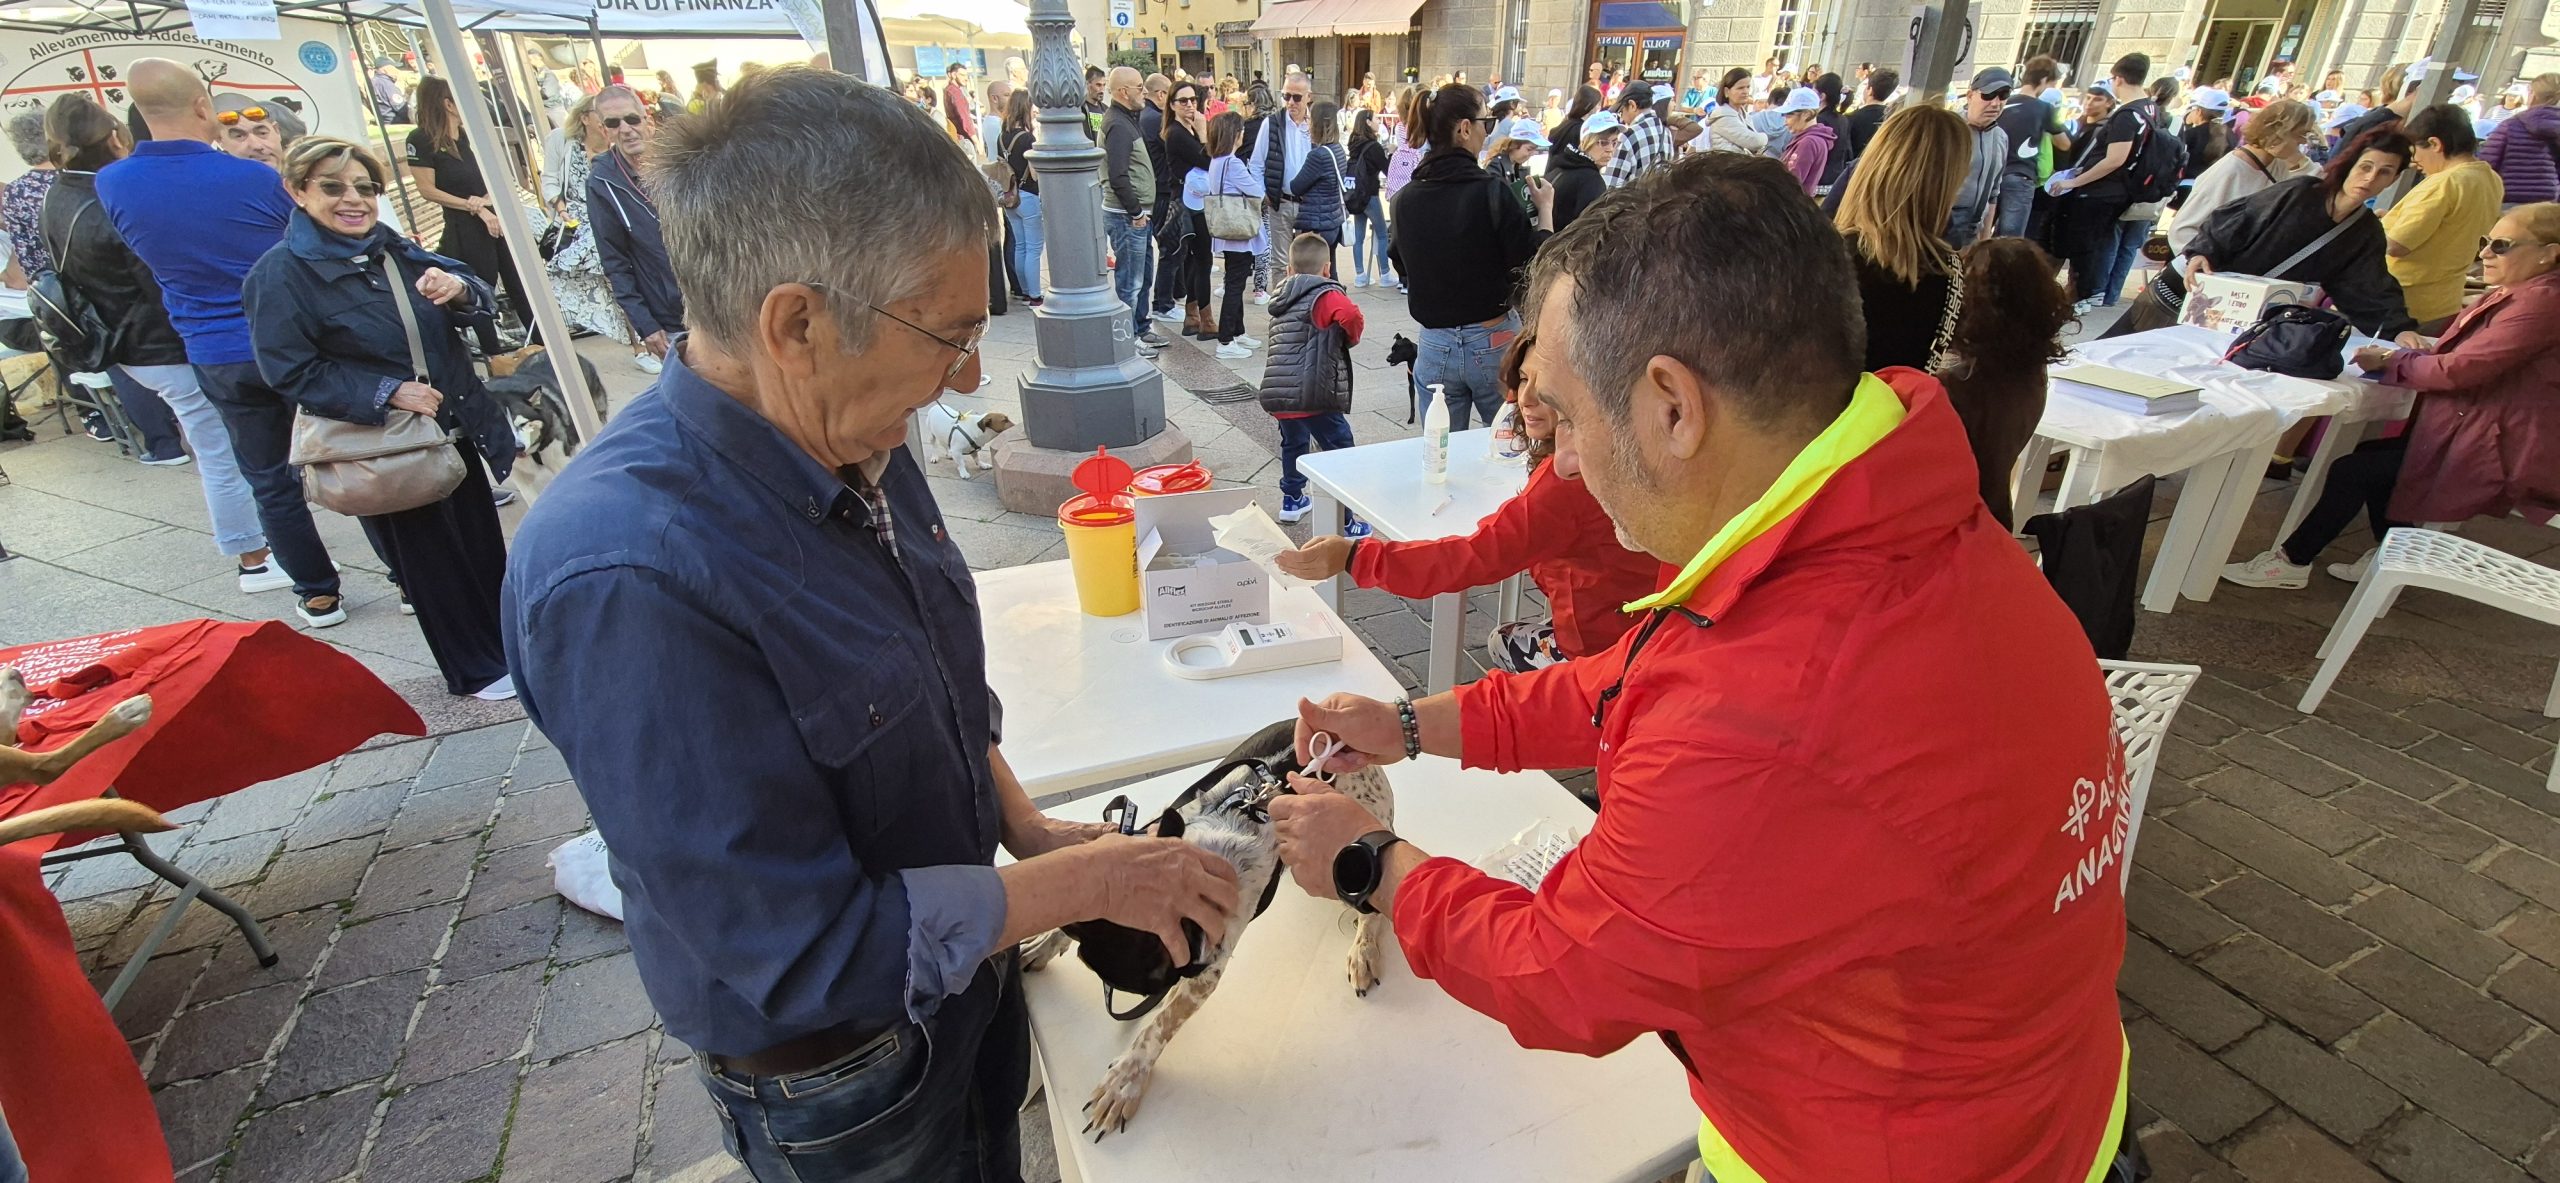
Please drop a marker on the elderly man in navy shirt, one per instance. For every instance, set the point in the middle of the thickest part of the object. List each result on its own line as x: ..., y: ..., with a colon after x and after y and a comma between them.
x: 738, y: 615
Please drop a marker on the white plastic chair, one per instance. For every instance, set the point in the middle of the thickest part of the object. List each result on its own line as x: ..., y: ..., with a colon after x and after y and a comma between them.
x: 2146, y: 698
x: 2438, y: 561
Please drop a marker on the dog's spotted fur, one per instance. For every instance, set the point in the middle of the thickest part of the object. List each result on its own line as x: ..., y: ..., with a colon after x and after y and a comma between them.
x: 1216, y: 823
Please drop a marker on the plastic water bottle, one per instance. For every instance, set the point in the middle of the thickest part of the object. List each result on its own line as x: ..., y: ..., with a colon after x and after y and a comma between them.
x: 1435, y: 438
x: 1506, y: 443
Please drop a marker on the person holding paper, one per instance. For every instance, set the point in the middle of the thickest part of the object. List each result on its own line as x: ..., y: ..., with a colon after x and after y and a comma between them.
x: 1863, y: 814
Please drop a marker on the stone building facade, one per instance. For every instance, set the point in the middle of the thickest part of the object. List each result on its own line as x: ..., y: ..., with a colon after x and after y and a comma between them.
x: 1543, y: 44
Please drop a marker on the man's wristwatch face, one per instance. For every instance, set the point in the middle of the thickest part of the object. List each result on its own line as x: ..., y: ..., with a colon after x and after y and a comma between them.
x: 1359, y: 867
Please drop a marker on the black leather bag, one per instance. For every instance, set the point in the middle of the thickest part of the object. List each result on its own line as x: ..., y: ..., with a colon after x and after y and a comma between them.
x: 2294, y: 339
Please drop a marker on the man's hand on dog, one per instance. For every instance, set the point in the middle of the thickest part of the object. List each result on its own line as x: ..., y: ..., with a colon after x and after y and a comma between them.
x: 1314, y: 824
x: 1157, y: 883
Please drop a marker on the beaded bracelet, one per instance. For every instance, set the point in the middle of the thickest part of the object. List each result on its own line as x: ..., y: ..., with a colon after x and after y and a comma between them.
x: 1412, y: 728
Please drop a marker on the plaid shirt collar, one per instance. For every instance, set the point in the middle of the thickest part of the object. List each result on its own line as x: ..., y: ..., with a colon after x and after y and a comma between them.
x: 864, y: 480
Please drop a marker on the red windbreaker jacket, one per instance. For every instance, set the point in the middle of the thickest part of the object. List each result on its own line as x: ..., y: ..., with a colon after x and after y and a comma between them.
x: 1556, y: 532
x: 1862, y: 811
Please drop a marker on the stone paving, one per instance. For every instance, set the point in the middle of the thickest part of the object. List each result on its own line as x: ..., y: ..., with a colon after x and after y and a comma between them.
x: 2343, y: 961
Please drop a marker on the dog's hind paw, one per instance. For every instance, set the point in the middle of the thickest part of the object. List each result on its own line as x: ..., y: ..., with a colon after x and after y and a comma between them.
x: 1116, y: 1099
x: 1039, y: 951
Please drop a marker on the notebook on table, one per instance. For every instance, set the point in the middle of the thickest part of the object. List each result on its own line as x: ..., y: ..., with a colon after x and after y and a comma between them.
x: 2127, y: 391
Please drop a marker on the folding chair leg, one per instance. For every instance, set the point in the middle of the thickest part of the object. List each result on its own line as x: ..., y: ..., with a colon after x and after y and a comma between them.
x: 186, y: 883
x: 2359, y: 614
x: 2551, y: 705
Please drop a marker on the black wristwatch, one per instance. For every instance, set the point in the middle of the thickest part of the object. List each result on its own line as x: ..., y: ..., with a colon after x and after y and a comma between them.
x: 1360, y: 867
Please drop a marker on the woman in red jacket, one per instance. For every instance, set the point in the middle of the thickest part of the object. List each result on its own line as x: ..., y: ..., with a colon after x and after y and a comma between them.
x: 2485, y: 438
x: 1554, y: 530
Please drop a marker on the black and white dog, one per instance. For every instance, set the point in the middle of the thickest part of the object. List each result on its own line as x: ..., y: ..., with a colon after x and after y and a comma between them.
x: 1227, y: 816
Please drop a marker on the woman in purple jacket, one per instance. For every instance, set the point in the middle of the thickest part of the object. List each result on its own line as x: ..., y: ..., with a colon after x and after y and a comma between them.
x: 2525, y: 149
x: 2485, y: 436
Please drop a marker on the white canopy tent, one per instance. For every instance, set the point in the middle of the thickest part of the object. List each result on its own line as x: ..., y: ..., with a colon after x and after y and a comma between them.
x: 445, y: 21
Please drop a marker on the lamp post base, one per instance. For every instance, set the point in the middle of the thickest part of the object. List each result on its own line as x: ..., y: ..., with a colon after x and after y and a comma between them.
x: 1038, y: 480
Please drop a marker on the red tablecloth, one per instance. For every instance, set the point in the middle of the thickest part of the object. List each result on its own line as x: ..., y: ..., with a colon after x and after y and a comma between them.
x: 233, y: 704
x: 74, y: 1098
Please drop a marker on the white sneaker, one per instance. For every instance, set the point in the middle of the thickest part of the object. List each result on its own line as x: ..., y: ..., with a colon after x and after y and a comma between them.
x: 1248, y: 342
x: 1234, y: 351
x: 1168, y: 316
x: 265, y: 577
x: 2268, y: 569
x: 648, y: 363
x: 498, y: 691
x: 2353, y: 572
x: 1260, y: 298
x: 317, y: 617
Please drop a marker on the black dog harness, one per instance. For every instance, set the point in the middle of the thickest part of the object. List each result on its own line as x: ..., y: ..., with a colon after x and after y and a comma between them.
x: 1137, y: 957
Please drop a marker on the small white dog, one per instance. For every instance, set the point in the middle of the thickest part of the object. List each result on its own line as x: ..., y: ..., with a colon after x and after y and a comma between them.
x: 960, y: 436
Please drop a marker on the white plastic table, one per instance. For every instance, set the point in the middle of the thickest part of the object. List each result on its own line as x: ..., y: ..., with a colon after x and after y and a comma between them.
x: 1382, y: 483
x: 1088, y: 700
x: 1286, y: 1075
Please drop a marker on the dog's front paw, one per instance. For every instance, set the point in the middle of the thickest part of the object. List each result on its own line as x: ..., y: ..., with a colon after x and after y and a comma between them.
x: 1368, y: 953
x: 1116, y: 1099
x: 125, y: 717
x: 1042, y: 949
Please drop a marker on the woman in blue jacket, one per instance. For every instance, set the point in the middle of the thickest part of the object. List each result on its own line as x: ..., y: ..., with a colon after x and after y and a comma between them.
x: 329, y: 337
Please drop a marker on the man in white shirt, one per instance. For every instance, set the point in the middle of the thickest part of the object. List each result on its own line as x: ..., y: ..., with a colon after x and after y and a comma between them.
x: 1289, y: 127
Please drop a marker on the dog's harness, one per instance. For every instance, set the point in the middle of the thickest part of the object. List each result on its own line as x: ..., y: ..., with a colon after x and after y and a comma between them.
x: 1269, y: 779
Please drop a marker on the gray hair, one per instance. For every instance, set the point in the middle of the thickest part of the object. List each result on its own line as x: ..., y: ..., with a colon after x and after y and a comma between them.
x: 619, y: 91
x: 26, y: 134
x: 782, y: 182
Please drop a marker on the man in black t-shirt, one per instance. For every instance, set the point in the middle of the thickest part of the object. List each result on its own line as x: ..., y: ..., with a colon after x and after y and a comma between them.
x: 1864, y: 121
x: 2027, y: 119
x: 2095, y: 195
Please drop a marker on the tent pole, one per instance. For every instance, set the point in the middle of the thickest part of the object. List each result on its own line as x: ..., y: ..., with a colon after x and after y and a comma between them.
x: 604, y: 64
x: 392, y: 157
x: 519, y: 232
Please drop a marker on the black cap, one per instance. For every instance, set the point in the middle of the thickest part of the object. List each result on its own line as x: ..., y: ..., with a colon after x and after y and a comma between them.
x: 1639, y: 93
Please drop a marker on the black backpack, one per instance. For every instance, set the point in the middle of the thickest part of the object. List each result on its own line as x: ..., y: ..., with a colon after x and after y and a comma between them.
x: 80, y: 338
x: 2157, y: 161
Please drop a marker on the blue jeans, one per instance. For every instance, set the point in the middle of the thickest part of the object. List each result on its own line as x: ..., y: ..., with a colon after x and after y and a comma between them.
x: 261, y: 424
x: 935, y: 1102
x: 2128, y: 247
x: 1466, y: 362
x: 1132, y: 270
x: 227, y: 499
x: 1369, y: 233
x: 1027, y: 242
x: 1328, y: 433
x: 2017, y: 202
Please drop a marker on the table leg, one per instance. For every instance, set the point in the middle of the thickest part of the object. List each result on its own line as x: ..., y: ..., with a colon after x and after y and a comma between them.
x: 1448, y: 630
x: 2079, y: 481
x: 1324, y: 516
x: 2230, y: 510
x: 2028, y: 480
x: 2341, y: 437
x: 1508, y: 602
x: 2186, y: 530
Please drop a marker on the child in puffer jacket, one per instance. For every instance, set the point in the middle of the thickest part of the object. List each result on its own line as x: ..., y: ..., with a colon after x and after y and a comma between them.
x: 1306, y: 376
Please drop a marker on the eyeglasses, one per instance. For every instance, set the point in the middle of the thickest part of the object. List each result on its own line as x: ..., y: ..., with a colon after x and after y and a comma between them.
x: 2500, y: 246
x: 2000, y: 95
x: 334, y: 190
x: 1486, y: 122
x: 968, y: 349
x: 1186, y: 98
x: 614, y: 121
x: 232, y: 118
x: 1293, y: 98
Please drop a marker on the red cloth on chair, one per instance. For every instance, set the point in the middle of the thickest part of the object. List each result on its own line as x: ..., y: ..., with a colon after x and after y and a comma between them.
x: 233, y: 704
x: 74, y: 1099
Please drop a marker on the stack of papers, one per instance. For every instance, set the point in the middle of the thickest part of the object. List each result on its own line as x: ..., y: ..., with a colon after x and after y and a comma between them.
x: 2124, y: 390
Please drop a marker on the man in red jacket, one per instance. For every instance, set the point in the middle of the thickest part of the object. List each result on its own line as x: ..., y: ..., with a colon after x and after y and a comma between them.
x: 1859, y: 856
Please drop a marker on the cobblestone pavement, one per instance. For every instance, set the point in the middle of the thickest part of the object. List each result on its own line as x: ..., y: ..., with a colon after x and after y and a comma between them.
x: 2343, y: 964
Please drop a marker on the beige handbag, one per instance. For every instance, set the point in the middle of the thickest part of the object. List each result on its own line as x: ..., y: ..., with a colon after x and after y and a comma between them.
x: 360, y: 470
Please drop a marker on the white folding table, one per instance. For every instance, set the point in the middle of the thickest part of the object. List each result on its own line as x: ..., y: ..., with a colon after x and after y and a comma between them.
x: 1088, y: 700
x: 1286, y: 1075
x: 1382, y: 484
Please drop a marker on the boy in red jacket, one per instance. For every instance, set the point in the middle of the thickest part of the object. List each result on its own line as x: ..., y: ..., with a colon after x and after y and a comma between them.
x: 1306, y: 375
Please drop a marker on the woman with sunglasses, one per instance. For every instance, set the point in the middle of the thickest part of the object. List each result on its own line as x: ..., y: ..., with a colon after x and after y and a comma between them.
x: 325, y: 317
x: 1461, y: 240
x: 2485, y: 436
x: 441, y: 163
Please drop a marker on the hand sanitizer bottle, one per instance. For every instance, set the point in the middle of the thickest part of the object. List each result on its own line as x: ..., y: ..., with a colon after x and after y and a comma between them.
x: 1435, y: 438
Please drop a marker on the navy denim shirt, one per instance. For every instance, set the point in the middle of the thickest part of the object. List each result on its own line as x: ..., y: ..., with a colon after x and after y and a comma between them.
x: 780, y: 726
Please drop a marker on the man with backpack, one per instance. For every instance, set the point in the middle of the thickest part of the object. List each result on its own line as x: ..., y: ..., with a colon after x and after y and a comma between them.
x: 2124, y: 164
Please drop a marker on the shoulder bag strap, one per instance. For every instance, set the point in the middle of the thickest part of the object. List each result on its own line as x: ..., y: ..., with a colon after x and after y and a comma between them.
x: 1941, y: 357
x: 408, y: 319
x: 2314, y: 246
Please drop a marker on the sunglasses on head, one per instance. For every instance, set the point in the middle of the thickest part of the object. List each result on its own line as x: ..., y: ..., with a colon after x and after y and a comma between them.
x: 333, y: 189
x: 232, y: 118
x: 613, y: 121
x: 2500, y: 246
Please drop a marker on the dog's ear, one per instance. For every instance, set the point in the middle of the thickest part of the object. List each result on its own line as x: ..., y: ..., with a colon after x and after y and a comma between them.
x: 996, y: 422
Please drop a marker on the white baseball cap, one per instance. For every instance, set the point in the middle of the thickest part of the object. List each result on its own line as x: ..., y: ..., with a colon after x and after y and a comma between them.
x: 1802, y: 98
x: 1525, y: 131
x: 1506, y: 94
x: 1599, y: 121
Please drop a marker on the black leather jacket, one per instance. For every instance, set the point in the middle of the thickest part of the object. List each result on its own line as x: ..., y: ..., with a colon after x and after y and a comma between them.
x: 93, y: 259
